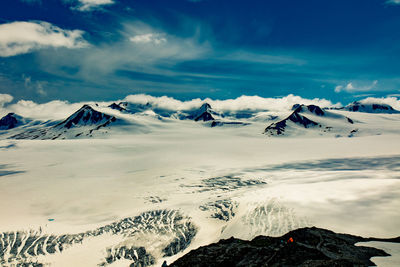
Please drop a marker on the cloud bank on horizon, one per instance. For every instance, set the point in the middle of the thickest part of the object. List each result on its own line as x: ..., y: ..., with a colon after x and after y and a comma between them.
x: 106, y: 49
x: 58, y: 109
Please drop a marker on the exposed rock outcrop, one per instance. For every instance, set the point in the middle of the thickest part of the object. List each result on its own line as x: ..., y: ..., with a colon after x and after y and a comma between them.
x: 301, y: 247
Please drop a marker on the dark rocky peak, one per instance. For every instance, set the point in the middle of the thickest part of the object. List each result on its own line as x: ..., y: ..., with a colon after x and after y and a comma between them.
x: 382, y: 107
x: 370, y: 108
x: 86, y: 115
x: 204, y: 113
x: 311, y: 108
x: 297, y: 106
x: 117, y: 106
x: 300, y: 119
x: 279, y: 127
x: 11, y: 120
x: 316, y: 110
x: 130, y: 107
x: 205, y: 107
x: 206, y: 116
x: 124, y: 104
x: 355, y: 106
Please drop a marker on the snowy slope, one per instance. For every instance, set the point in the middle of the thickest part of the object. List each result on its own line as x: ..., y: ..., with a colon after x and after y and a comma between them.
x: 149, y: 197
x: 84, y: 122
x: 151, y: 189
x: 311, y: 119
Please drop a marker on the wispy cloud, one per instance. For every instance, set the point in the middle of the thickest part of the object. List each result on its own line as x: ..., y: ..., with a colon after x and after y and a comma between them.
x: 80, y: 5
x: 351, y: 87
x: 154, y: 38
x: 4, y: 99
x: 137, y: 51
x: 88, y: 5
x: 22, y: 37
x: 37, y: 86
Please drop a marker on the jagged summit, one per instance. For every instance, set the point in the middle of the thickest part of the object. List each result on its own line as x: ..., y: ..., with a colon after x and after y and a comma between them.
x: 311, y: 116
x: 311, y: 108
x: 370, y: 108
x: 10, y: 121
x: 278, y: 128
x: 86, y: 116
x: 204, y: 113
x: 83, y: 122
x: 205, y: 107
x: 120, y: 106
x: 131, y: 108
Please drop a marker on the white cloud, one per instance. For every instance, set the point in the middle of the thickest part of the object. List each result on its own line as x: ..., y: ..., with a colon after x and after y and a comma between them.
x: 4, y: 99
x: 22, y: 37
x: 394, y: 102
x: 338, y: 88
x: 240, y: 103
x: 88, y: 5
x: 154, y: 38
x: 351, y: 87
x: 51, y: 110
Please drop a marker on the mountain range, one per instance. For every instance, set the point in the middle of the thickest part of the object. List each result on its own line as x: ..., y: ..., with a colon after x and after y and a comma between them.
x: 94, y: 120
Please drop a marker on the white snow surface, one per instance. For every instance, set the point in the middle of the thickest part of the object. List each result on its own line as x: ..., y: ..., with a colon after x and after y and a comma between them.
x: 271, y: 184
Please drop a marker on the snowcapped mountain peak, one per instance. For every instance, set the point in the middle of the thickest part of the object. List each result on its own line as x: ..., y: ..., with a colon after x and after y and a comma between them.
x: 86, y: 116
x: 357, y: 106
x: 205, y: 107
x: 121, y: 106
x: 204, y: 113
x: 11, y: 120
x: 117, y: 106
x: 278, y: 128
x: 311, y: 108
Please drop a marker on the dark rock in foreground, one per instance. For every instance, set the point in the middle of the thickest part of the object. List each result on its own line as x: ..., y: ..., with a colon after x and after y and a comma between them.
x: 309, y: 247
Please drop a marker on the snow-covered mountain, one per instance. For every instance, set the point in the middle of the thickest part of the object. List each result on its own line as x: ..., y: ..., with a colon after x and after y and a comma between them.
x: 309, y: 117
x: 84, y: 122
x: 370, y: 108
x: 102, y: 121
x: 120, y: 106
x: 86, y: 116
x: 131, y: 108
x: 12, y: 120
x: 204, y: 113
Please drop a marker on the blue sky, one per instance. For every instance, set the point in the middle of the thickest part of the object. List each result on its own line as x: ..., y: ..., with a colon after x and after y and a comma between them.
x: 79, y: 50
